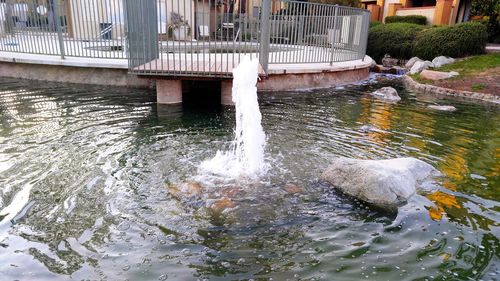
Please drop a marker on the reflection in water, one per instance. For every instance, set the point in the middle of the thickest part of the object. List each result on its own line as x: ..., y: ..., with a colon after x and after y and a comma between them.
x: 378, y: 115
x: 90, y: 180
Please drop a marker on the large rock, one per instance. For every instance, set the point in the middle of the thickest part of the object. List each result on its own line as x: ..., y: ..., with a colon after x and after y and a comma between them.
x: 383, y: 183
x: 437, y: 75
x: 411, y: 62
x: 387, y: 94
x: 420, y: 65
x: 442, y: 60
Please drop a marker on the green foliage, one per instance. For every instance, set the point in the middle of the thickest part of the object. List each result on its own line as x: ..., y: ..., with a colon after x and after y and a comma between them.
x: 395, y: 39
x: 456, y: 41
x: 478, y: 86
x: 473, y: 65
x: 416, y: 19
x: 485, y: 7
x: 490, y: 11
x: 493, y: 29
x: 374, y: 23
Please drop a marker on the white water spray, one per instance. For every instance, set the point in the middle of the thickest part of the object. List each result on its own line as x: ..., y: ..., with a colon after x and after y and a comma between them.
x: 246, y: 157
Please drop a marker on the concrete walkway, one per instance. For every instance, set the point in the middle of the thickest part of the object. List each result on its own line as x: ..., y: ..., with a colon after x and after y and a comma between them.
x: 286, y: 68
x: 68, y: 61
x: 493, y: 48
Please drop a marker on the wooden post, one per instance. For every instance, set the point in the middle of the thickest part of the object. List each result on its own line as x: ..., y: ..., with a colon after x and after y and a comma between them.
x: 442, y: 14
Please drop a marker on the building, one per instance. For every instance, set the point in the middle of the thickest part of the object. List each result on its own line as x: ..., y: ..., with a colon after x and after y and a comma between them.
x: 437, y: 12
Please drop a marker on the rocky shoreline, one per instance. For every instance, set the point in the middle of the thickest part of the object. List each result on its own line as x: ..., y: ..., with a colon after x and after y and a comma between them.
x: 431, y: 89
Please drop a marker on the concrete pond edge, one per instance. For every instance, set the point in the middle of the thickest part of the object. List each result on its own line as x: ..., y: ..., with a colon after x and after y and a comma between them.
x: 435, y: 90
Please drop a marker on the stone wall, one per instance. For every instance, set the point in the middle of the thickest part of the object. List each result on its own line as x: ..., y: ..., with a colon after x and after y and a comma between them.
x: 70, y: 74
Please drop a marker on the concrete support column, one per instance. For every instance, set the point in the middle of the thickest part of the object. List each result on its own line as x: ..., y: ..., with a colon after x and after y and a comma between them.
x: 226, y: 95
x: 442, y: 13
x: 168, y: 91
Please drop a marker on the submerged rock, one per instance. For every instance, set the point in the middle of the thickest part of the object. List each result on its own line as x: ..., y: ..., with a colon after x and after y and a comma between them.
x: 442, y: 60
x: 437, y: 75
x: 185, y: 190
x: 292, y: 188
x: 387, y: 94
x: 419, y: 66
x: 222, y: 204
x: 369, y: 128
x: 383, y: 183
x: 449, y: 108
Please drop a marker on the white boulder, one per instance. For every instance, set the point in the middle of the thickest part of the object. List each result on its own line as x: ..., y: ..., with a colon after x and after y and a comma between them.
x: 383, y: 183
x: 442, y: 60
x: 387, y: 94
x: 419, y: 66
x: 411, y: 62
x: 437, y: 75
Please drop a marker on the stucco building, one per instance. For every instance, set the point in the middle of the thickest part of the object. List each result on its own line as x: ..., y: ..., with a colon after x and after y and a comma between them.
x: 437, y: 12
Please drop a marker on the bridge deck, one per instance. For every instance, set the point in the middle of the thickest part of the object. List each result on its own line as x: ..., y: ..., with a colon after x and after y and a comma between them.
x: 188, y: 67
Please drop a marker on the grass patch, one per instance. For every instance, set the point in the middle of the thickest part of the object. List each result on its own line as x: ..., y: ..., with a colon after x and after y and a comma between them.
x: 477, y: 73
x: 420, y: 80
x: 467, y: 67
x: 478, y: 86
x: 473, y: 65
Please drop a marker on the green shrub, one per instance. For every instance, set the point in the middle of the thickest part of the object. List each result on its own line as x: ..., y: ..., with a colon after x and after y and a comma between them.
x: 456, y: 41
x: 493, y: 29
x: 395, y: 39
x: 416, y: 19
x: 374, y: 23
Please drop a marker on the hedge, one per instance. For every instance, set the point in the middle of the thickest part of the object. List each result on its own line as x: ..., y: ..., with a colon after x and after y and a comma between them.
x: 395, y: 39
x: 416, y: 19
x: 374, y: 23
x: 458, y: 41
x: 493, y: 29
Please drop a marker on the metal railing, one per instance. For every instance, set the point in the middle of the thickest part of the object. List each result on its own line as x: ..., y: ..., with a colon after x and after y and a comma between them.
x: 317, y: 33
x: 77, y: 28
x: 207, y: 38
x: 203, y: 38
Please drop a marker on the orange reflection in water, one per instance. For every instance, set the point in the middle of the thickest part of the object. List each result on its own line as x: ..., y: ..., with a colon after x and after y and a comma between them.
x: 495, y: 169
x: 443, y: 201
x: 455, y: 167
x: 379, y: 115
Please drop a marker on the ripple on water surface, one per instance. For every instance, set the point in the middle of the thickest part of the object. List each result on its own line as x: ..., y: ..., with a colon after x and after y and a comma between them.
x: 101, y: 183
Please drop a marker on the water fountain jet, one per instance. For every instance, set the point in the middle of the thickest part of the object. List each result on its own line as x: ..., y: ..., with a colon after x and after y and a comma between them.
x: 246, y: 156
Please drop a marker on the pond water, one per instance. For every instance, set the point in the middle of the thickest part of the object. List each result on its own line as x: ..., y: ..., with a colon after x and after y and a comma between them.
x: 89, y: 177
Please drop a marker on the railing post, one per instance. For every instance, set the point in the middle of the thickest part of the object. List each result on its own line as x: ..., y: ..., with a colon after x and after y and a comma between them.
x: 366, y: 31
x: 265, y: 35
x: 9, y: 22
x: 58, y: 28
x: 336, y: 9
